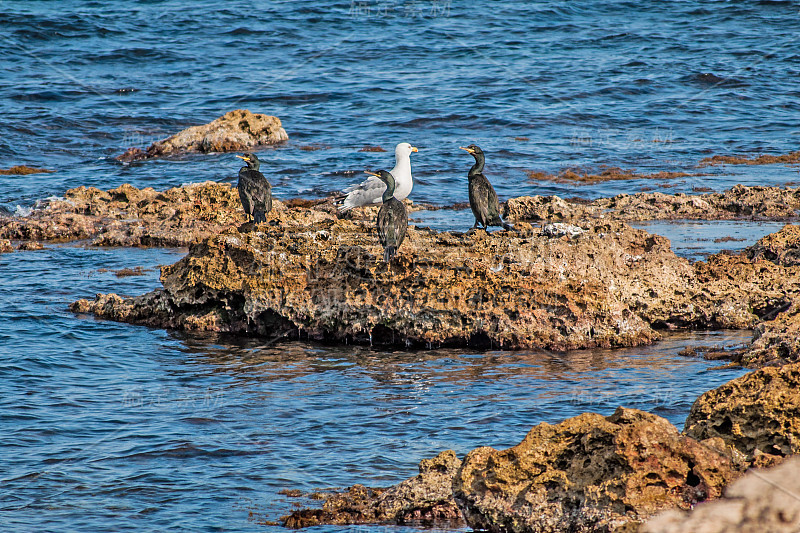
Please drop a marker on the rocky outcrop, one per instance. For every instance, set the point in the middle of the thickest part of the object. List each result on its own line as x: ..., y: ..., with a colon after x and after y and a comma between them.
x: 310, y: 274
x: 760, y: 501
x: 426, y: 498
x: 589, y: 473
x: 315, y: 276
x: 757, y: 414
x: 21, y: 170
x: 593, y: 473
x: 736, y: 203
x: 127, y: 216
x: 235, y: 131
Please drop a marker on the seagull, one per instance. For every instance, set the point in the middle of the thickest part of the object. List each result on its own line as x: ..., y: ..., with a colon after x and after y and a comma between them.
x: 254, y: 189
x: 371, y: 190
x: 392, y: 217
x: 482, y: 198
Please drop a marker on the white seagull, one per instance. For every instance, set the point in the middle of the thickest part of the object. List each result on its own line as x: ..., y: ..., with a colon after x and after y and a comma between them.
x: 371, y: 190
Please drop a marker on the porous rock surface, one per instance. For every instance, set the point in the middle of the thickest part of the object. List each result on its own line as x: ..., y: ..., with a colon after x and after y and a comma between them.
x: 425, y: 498
x: 589, y: 473
x: 760, y: 501
x: 757, y: 414
x: 237, y: 130
x: 309, y: 274
x: 127, y: 216
x: 740, y: 202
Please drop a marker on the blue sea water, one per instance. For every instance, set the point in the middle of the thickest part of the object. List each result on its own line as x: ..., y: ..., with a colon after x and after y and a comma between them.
x: 108, y: 426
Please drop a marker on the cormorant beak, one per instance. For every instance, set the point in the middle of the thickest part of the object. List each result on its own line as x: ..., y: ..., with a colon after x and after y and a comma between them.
x: 414, y: 149
x: 372, y: 173
x: 469, y: 150
x: 243, y: 157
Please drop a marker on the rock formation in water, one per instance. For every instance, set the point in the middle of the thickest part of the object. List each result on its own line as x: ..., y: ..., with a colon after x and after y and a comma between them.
x: 589, y: 473
x: 426, y: 498
x: 235, y: 131
x: 593, y: 281
x: 757, y: 414
x: 594, y: 473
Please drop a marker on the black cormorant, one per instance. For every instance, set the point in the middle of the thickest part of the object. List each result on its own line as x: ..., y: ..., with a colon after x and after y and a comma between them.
x: 392, y: 217
x: 254, y: 189
x: 482, y: 198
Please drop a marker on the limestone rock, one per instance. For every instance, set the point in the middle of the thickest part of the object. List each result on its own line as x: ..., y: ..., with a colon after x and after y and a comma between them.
x: 589, y: 473
x: 760, y: 501
x: 238, y: 130
x: 757, y: 414
x: 782, y: 247
x: 736, y: 203
x: 127, y: 216
x: 5, y: 246
x: 324, y: 278
x: 425, y: 498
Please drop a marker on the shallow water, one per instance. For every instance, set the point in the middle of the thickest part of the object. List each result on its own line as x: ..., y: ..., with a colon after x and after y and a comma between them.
x: 113, y: 426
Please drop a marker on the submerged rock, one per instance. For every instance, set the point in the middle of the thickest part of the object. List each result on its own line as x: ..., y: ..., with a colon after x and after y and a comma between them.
x: 762, y: 500
x: 235, y: 131
x: 757, y: 414
x: 426, y: 498
x: 589, y: 473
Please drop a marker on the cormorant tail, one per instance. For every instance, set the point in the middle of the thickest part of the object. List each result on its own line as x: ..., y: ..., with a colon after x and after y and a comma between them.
x: 388, y: 253
x: 259, y: 216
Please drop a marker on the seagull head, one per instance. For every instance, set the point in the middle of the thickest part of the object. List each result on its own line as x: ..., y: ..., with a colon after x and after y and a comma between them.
x: 404, y: 150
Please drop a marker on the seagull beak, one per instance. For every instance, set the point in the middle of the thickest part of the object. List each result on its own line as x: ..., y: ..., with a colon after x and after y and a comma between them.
x: 414, y: 149
x: 372, y: 173
x: 467, y: 149
x: 243, y: 157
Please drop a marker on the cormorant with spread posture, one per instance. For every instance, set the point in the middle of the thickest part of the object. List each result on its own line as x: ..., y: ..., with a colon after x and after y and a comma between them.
x: 392, y: 217
x: 254, y: 189
x: 370, y: 191
x: 482, y: 198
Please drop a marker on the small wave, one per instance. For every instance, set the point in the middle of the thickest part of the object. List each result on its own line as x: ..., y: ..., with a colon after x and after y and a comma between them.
x: 21, y: 211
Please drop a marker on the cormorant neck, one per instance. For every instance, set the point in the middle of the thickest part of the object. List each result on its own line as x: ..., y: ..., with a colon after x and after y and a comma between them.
x: 388, y: 193
x: 477, y: 168
x: 254, y: 165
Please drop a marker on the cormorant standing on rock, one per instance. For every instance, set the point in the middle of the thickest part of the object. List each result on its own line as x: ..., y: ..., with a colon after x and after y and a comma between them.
x: 254, y: 189
x: 392, y: 217
x: 371, y: 190
x: 482, y: 198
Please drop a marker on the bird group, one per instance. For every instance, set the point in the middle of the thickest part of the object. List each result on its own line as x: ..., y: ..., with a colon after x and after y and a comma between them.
x: 386, y: 188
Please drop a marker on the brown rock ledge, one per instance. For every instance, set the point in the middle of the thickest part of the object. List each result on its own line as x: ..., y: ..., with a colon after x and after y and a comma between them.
x: 238, y: 130
x: 309, y: 274
x: 739, y: 202
x: 593, y: 473
x: 589, y: 474
x: 757, y: 414
x: 426, y: 498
